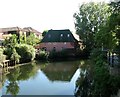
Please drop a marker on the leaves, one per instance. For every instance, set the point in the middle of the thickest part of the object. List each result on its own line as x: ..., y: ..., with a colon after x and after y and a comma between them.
x: 89, y: 19
x: 15, y: 56
x: 32, y: 40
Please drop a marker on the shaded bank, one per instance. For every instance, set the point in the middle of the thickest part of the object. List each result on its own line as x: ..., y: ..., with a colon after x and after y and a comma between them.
x: 62, y: 55
x: 96, y: 79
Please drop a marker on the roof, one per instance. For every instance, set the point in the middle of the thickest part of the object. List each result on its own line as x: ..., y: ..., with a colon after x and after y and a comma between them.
x: 10, y: 29
x: 30, y: 29
x: 59, y: 36
x: 0, y: 30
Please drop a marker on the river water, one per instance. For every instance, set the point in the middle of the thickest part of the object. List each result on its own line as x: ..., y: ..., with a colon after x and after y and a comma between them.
x: 42, y: 78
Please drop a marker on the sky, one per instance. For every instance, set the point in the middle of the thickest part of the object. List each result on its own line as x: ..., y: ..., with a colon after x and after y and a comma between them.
x: 40, y: 14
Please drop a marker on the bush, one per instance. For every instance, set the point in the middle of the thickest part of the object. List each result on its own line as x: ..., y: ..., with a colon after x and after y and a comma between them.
x: 103, y: 83
x: 97, y: 54
x: 8, y: 52
x: 27, y: 52
x: 15, y: 56
x: 2, y: 56
x: 43, y: 55
x: 60, y: 54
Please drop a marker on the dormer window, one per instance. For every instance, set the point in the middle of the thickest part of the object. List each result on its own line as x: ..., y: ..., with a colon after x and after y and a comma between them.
x: 68, y: 35
x: 49, y: 35
x: 61, y: 35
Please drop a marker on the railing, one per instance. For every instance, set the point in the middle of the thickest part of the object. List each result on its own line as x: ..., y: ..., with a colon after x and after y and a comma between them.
x: 5, y: 65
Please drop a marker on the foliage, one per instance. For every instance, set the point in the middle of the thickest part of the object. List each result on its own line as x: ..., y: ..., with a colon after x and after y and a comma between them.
x: 15, y: 56
x: 27, y: 52
x: 108, y: 36
x: 18, y: 74
x: 88, y: 21
x: 103, y: 84
x: 96, y: 54
x: 22, y: 39
x: 42, y: 55
x: 8, y: 51
x: 96, y: 80
x: 44, y: 32
x: 2, y: 56
x: 11, y: 41
x: 27, y: 71
x: 12, y: 88
x: 105, y: 34
x: 32, y: 40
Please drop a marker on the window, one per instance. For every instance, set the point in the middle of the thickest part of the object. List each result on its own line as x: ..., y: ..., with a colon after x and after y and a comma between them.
x: 68, y: 35
x: 61, y: 35
x: 49, y: 35
x: 44, y: 48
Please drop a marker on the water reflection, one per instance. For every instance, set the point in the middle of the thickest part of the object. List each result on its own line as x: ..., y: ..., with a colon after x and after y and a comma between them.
x: 42, y: 79
x: 63, y: 71
x: 19, y: 73
x: 84, y: 82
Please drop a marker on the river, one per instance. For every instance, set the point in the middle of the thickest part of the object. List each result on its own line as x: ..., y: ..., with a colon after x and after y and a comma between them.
x: 42, y: 78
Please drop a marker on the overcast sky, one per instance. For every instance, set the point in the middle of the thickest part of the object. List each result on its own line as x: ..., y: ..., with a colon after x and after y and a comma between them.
x: 39, y: 14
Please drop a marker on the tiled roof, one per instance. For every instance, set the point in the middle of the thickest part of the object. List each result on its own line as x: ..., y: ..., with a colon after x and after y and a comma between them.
x: 30, y: 29
x: 11, y: 29
x: 0, y: 30
x: 59, y: 36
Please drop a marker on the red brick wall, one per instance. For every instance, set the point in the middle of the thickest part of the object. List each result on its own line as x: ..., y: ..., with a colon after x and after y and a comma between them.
x: 58, y: 45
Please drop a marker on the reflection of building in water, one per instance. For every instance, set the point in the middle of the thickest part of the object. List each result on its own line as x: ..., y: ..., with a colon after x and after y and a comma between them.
x: 60, y: 71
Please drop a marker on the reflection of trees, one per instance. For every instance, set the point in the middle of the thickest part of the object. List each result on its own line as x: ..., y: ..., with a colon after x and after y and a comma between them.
x: 84, y: 82
x: 17, y: 74
x: 2, y: 80
x: 83, y: 86
x: 12, y: 88
x: 14, y: 74
x: 95, y: 81
x: 27, y: 71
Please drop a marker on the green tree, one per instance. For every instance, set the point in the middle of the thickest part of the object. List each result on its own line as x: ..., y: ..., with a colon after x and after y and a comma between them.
x: 114, y: 22
x: 15, y: 56
x: 32, y: 40
x: 27, y: 52
x: 108, y: 36
x: 22, y: 39
x: 44, y: 32
x: 88, y: 21
x: 11, y: 41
